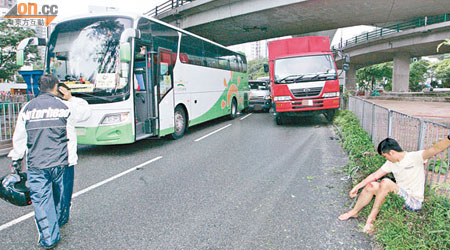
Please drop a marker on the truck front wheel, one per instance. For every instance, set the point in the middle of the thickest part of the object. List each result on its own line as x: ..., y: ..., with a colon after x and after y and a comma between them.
x: 329, y: 114
x: 279, y: 119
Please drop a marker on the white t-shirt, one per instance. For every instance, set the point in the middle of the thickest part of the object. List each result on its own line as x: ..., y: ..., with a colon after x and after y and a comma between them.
x: 409, y: 173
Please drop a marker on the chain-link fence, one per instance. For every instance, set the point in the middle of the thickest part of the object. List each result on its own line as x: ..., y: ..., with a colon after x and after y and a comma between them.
x: 411, y: 132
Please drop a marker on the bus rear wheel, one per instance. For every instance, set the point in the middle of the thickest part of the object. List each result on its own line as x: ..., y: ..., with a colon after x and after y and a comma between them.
x: 233, y: 112
x: 179, y: 123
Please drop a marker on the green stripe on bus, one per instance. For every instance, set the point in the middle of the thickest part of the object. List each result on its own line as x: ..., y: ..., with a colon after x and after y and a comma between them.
x: 166, y: 131
x: 106, y: 135
x: 216, y: 110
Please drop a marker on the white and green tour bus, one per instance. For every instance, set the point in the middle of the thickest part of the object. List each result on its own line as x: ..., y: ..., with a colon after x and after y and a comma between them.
x: 142, y: 77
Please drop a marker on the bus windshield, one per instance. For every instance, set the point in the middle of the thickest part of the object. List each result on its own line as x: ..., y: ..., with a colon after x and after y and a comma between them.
x: 84, y: 54
x: 305, y: 68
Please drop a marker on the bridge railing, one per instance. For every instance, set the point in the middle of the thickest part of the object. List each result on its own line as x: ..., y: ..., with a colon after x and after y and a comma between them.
x: 399, y: 27
x: 411, y: 132
x: 167, y: 6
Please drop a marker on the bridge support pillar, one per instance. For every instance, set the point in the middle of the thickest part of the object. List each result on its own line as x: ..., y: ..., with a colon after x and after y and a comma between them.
x: 350, y: 79
x: 400, y: 73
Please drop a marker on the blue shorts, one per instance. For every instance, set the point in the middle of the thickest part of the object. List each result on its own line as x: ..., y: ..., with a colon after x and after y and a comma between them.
x: 411, y: 203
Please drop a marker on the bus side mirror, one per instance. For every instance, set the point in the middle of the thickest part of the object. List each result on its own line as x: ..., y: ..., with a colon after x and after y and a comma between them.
x: 19, y: 58
x: 20, y: 54
x: 266, y: 68
x: 125, y: 52
x: 125, y: 45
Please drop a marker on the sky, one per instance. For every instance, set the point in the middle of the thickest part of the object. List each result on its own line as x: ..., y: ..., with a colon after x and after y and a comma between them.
x: 350, y: 32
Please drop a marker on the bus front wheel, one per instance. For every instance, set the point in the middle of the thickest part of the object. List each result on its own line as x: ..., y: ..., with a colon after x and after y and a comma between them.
x: 179, y: 123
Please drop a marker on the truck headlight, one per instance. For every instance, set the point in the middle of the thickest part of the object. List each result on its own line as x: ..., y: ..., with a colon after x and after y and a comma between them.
x: 114, y: 118
x: 330, y: 94
x: 282, y: 98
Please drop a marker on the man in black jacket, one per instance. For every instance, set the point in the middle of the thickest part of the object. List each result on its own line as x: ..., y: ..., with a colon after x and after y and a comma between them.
x: 45, y: 131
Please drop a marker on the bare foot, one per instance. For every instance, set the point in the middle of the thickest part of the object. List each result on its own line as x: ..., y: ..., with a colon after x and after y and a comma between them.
x: 348, y: 215
x: 368, y: 228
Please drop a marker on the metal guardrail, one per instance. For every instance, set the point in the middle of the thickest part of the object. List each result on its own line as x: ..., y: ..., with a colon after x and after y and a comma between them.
x: 396, y: 28
x: 411, y: 132
x: 166, y: 6
x: 8, y: 118
x: 14, y: 98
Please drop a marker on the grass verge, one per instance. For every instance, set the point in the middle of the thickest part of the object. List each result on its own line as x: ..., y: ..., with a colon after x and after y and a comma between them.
x: 395, y: 228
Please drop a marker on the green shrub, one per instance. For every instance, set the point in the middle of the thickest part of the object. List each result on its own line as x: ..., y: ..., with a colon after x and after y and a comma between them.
x: 428, y: 229
x: 435, y: 165
x: 357, y: 143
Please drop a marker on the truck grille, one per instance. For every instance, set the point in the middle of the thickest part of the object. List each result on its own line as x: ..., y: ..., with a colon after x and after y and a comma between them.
x: 299, y: 105
x: 306, y: 92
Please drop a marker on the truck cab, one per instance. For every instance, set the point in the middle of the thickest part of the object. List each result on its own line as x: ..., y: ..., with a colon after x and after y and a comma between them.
x: 303, y: 78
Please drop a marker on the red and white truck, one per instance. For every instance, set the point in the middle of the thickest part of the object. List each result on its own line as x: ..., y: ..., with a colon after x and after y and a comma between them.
x: 303, y: 77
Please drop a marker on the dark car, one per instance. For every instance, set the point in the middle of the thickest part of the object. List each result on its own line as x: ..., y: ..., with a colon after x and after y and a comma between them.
x: 259, y: 95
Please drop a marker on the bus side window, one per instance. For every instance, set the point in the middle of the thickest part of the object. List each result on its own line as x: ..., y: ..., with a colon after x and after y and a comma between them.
x: 139, y: 77
x: 165, y: 81
x: 139, y: 68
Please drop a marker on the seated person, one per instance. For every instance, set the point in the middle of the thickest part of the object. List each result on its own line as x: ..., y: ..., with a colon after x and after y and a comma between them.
x: 408, y: 170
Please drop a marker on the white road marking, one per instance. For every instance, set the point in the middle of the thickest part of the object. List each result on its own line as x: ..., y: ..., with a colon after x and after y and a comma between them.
x: 203, y: 137
x: 114, y: 177
x: 246, y: 116
x: 29, y: 215
x: 13, y: 222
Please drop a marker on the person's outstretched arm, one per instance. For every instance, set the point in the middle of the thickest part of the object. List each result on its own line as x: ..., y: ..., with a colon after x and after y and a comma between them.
x: 436, y: 148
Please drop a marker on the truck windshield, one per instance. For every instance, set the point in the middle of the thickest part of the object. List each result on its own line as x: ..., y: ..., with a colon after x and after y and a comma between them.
x: 84, y: 54
x: 305, y: 69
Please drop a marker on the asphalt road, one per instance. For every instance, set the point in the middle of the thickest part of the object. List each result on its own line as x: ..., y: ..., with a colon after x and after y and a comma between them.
x: 250, y: 185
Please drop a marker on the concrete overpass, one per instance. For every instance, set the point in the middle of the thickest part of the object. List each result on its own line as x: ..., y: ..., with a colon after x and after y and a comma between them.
x: 232, y: 22
x: 398, y: 47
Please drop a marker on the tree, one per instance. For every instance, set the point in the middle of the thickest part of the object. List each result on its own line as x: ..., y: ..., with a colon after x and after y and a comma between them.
x: 10, y: 36
x: 256, y: 68
x: 375, y: 75
x: 417, y: 75
x: 442, y: 72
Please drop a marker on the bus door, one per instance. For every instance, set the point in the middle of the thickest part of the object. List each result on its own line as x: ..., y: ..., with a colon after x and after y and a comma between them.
x: 164, y: 79
x: 146, y: 115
